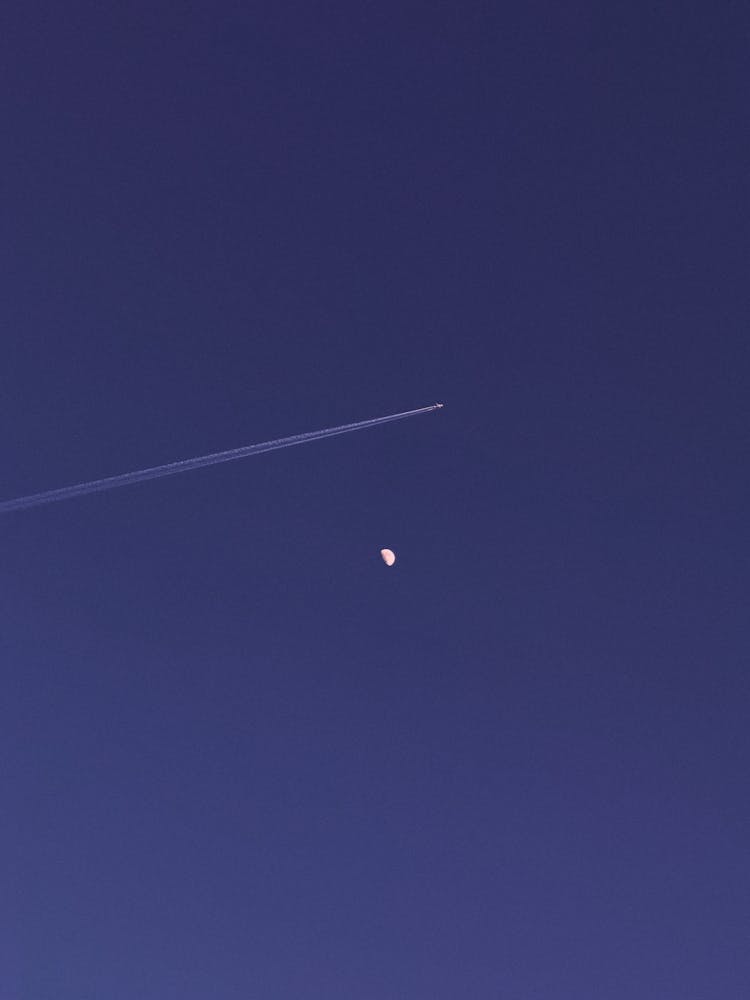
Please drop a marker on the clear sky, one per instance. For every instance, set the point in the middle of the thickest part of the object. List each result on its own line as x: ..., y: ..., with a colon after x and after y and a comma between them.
x: 239, y: 757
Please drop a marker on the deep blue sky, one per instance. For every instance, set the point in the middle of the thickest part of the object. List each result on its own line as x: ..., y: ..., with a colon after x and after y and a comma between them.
x: 240, y: 758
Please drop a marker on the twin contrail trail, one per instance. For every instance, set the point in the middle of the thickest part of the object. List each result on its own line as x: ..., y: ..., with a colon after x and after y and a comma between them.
x: 172, y: 468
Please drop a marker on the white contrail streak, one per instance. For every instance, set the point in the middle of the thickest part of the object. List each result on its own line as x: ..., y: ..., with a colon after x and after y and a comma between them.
x: 172, y: 468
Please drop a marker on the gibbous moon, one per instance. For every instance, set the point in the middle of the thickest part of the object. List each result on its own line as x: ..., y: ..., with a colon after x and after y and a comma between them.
x: 388, y: 557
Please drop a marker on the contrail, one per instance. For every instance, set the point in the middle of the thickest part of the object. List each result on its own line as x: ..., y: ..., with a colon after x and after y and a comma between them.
x: 172, y: 468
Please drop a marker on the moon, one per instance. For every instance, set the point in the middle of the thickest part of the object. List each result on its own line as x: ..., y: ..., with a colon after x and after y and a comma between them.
x: 388, y: 557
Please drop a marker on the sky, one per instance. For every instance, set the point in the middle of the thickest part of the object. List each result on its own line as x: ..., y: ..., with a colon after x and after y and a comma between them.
x: 239, y: 756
